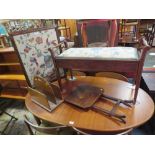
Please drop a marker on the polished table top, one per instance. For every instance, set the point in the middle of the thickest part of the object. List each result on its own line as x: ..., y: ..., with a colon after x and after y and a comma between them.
x: 68, y: 114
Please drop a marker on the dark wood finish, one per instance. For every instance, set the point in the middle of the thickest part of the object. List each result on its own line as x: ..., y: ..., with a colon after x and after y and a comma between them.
x: 67, y: 114
x: 16, y: 93
x: 30, y: 31
x: 95, y: 65
x: 56, y: 68
x: 84, y: 96
x: 88, y: 65
x: 112, y: 31
x: 140, y: 67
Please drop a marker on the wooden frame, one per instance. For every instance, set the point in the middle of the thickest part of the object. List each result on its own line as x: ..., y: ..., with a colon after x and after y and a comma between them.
x: 91, y: 64
x: 50, y: 44
x: 46, y: 95
x: 112, y: 32
x: 47, y: 130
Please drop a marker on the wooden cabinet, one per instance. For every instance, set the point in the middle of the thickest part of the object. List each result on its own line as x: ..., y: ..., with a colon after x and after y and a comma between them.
x: 12, y: 79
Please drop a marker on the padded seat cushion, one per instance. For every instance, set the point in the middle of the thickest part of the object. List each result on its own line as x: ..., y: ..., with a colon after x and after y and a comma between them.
x: 111, y: 53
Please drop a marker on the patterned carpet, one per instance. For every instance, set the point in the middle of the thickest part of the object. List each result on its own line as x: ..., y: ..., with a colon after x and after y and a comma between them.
x: 17, y: 108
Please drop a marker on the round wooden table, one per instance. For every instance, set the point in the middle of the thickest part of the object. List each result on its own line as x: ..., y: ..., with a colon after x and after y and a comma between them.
x: 67, y: 114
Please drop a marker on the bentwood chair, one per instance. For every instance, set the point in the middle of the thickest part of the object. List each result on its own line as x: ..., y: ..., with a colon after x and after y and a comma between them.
x: 48, y: 130
x: 53, y: 129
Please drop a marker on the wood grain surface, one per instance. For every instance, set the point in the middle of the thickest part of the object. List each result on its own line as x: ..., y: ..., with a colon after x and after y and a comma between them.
x: 67, y: 114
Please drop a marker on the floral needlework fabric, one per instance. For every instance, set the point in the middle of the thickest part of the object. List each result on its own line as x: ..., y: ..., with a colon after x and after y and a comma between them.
x: 112, y: 53
x: 33, y: 51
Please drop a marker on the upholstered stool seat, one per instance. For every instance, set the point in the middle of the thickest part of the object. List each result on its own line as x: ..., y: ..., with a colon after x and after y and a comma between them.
x: 112, y: 53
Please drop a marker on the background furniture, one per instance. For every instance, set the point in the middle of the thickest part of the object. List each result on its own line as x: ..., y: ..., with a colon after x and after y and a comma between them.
x: 95, y: 32
x: 64, y: 31
x: 32, y: 49
x: 12, y: 79
x: 129, y: 32
x: 62, y: 27
x: 67, y: 114
x: 129, y: 26
x: 145, y: 25
x: 3, y: 42
x: 150, y: 34
x: 107, y: 36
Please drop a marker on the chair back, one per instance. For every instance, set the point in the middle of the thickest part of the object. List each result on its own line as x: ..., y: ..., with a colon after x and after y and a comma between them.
x: 32, y: 49
x: 47, y: 130
x: 108, y: 35
x: 112, y: 75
